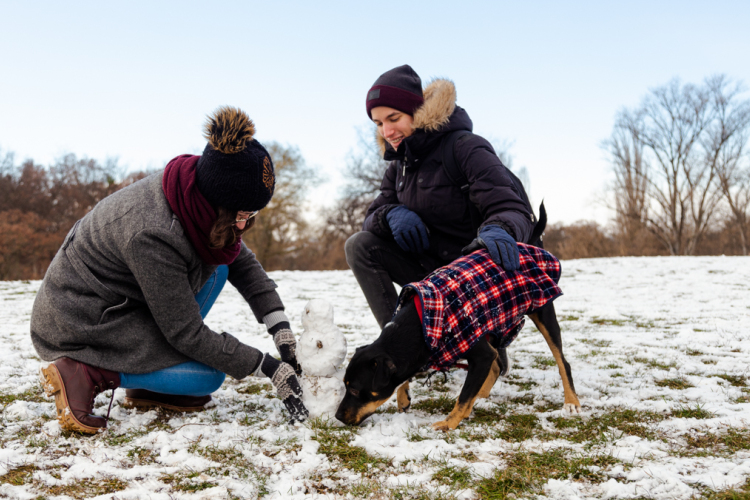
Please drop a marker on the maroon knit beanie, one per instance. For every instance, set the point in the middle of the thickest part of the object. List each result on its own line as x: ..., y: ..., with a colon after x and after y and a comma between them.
x: 399, y: 88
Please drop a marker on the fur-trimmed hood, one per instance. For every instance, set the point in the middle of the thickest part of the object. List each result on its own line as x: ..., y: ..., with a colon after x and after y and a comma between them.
x: 436, y: 114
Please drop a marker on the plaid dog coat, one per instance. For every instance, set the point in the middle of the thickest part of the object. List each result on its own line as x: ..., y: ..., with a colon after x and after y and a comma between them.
x: 472, y: 296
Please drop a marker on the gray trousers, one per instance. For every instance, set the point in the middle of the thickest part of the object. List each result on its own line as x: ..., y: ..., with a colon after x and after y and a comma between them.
x: 377, y: 264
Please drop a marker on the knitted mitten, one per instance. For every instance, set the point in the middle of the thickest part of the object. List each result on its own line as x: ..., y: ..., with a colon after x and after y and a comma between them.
x: 287, y: 386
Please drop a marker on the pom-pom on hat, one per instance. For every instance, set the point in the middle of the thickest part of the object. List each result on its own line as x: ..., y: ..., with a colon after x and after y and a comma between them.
x: 235, y: 171
x: 399, y: 88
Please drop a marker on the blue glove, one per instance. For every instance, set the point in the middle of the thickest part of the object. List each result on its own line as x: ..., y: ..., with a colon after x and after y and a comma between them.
x: 501, y: 246
x: 408, y: 229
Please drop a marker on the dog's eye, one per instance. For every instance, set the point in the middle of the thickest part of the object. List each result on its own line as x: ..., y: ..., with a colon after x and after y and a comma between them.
x: 354, y: 392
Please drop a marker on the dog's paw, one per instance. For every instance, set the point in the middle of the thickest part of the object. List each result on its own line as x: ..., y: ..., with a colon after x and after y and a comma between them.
x: 403, y: 397
x: 571, y: 409
x: 444, y: 426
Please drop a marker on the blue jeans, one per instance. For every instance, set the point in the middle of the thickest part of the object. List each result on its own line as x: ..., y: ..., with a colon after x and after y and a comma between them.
x: 191, y: 378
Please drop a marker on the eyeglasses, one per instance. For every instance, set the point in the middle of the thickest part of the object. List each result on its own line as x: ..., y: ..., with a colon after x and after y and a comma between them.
x: 246, y: 218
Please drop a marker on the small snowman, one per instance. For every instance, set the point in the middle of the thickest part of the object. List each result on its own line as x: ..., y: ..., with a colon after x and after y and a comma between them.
x: 320, y: 351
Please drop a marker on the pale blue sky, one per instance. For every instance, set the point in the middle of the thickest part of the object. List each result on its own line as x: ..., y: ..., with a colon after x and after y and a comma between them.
x: 136, y: 79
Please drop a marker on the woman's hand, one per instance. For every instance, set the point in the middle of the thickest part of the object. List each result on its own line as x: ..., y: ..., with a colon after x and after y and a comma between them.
x: 501, y: 246
x: 287, y: 347
x: 408, y: 230
x: 287, y: 386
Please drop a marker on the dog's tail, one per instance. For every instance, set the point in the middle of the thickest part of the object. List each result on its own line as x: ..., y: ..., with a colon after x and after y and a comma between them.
x: 539, y: 227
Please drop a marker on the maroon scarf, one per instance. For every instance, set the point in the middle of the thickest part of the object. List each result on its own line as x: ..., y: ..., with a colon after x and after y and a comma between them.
x: 195, y: 213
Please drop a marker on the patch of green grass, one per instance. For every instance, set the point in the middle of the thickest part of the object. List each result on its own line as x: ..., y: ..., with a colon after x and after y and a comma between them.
x: 18, y: 476
x: 440, y: 405
x: 526, y: 400
x: 86, y: 488
x: 692, y: 412
x: 490, y: 415
x: 31, y: 396
x: 524, y: 385
x: 334, y: 443
x: 597, y: 428
x: 526, y: 473
x: 596, y: 342
x: 616, y: 375
x: 187, y: 482
x: 569, y: 317
x: 608, y: 322
x: 731, y: 441
x: 693, y: 352
x: 708, y: 361
x: 739, y: 493
x: 734, y: 380
x: 112, y: 439
x: 654, y: 363
x: 455, y: 476
x: 543, y: 362
x: 679, y: 383
x: 252, y: 389
x: 518, y: 428
x: 613, y: 366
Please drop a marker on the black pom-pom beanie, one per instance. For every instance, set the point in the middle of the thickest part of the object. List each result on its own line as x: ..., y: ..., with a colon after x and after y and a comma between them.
x: 235, y: 171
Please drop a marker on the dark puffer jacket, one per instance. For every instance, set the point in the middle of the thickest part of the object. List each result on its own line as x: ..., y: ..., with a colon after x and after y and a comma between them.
x: 416, y: 179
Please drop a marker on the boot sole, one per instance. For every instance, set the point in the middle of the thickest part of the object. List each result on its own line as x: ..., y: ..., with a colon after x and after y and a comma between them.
x: 147, y: 404
x: 53, y: 386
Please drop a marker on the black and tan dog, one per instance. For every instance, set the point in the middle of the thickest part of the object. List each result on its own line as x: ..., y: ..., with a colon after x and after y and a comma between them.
x: 377, y: 370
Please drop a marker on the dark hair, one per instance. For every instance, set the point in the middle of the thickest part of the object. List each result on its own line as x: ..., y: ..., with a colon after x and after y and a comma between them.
x: 224, y: 233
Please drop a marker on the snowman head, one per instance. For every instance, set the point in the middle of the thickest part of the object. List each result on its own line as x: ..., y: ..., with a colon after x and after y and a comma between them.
x: 317, y: 312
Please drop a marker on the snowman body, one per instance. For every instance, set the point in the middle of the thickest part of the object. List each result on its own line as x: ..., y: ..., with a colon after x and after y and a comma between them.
x: 320, y: 351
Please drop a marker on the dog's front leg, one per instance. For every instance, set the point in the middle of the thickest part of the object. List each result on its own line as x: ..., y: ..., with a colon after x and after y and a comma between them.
x: 403, y: 398
x: 479, y: 380
x: 545, y: 320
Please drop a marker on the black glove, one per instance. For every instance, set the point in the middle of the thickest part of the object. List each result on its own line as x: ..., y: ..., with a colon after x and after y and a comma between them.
x: 408, y: 229
x: 501, y: 246
x: 286, y: 344
x: 287, y: 386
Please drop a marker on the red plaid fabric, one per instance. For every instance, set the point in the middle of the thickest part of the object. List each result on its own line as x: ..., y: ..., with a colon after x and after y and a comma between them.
x: 472, y: 296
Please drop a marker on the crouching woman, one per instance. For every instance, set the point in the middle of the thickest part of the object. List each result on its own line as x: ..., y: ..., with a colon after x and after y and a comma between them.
x: 123, y: 301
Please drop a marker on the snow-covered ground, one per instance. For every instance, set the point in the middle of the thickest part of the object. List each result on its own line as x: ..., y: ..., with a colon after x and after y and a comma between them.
x: 663, y: 339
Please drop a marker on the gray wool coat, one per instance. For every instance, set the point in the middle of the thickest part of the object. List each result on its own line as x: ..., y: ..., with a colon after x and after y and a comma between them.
x: 119, y: 294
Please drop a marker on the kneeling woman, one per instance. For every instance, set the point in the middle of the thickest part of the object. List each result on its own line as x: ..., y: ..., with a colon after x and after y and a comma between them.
x: 122, y: 303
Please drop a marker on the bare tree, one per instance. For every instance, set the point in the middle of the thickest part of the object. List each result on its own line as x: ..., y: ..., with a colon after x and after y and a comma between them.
x: 726, y: 147
x: 667, y: 139
x: 630, y: 185
x: 364, y: 171
x: 278, y: 231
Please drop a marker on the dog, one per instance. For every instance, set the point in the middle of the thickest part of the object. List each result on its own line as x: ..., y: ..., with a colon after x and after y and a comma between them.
x: 402, y: 350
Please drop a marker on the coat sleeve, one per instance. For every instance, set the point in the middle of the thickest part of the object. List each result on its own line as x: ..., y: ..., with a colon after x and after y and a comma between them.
x: 375, y: 221
x: 162, y: 274
x: 250, y: 279
x: 492, y: 190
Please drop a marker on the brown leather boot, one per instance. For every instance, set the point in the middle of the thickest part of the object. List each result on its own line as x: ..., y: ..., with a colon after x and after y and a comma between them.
x: 141, y: 398
x: 75, y: 385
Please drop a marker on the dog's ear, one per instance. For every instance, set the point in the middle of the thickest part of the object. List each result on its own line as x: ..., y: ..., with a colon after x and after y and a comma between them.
x: 384, y: 368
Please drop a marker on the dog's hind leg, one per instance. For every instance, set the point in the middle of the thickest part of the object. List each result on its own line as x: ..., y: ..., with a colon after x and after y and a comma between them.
x: 545, y: 320
x: 403, y: 398
x: 489, y: 382
x: 480, y: 379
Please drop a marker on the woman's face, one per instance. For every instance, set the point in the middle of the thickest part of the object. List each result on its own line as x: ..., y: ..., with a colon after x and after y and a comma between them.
x: 393, y: 125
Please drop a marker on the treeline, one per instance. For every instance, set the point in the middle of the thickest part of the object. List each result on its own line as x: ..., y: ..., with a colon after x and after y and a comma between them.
x: 680, y: 162
x: 38, y: 205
